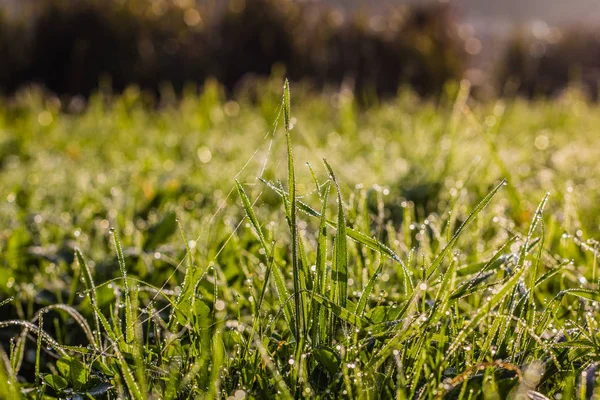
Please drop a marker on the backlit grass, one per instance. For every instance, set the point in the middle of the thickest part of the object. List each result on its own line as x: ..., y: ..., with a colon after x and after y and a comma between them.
x: 299, y: 246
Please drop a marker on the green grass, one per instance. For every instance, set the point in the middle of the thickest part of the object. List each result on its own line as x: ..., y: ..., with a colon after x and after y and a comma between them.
x: 427, y: 250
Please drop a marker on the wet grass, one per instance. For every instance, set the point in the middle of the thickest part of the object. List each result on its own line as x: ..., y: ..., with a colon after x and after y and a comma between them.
x: 299, y: 247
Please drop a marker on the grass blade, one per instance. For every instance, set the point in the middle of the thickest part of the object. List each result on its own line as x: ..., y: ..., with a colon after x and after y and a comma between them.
x: 38, y: 352
x: 282, y: 292
x: 129, y: 322
x: 353, y: 234
x: 342, y: 312
x: 300, y: 328
x: 340, y: 265
x: 364, y: 297
x: 90, y: 287
x: 319, y: 314
x: 440, y: 257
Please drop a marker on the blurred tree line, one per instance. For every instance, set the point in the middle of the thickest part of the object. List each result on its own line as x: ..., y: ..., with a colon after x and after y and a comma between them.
x: 70, y: 47
x: 545, y: 61
x: 73, y: 47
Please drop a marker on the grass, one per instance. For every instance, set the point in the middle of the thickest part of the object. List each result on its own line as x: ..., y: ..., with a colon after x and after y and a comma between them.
x: 186, y: 251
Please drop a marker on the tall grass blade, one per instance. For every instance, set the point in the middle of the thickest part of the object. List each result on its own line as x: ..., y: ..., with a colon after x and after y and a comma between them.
x: 282, y: 292
x: 129, y: 321
x: 18, y: 352
x: 364, y: 297
x: 38, y: 353
x: 340, y: 264
x: 440, y: 257
x: 90, y: 287
x: 482, y: 312
x: 9, y: 385
x: 128, y: 376
x: 353, y: 234
x: 300, y: 328
x: 319, y: 314
x: 342, y: 312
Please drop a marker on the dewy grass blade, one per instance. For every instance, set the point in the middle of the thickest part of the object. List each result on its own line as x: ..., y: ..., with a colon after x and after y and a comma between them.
x: 129, y: 323
x: 251, y: 215
x: 342, y: 312
x: 364, y: 297
x: 340, y: 263
x: 537, y: 218
x: 438, y: 260
x: 114, y: 339
x: 487, y: 269
x: 300, y: 308
x: 9, y: 385
x: 551, y: 272
x: 319, y: 314
x: 38, y: 352
x: 4, y: 302
x: 353, y: 234
x: 189, y: 272
x: 218, y: 358
x: 322, y: 245
x: 265, y: 283
x: 17, y: 351
x: 187, y: 296
x: 282, y: 292
x: 300, y: 328
x: 90, y: 290
x: 441, y: 303
x: 490, y: 304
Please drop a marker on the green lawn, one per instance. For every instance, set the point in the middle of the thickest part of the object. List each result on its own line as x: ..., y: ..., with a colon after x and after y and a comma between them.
x: 134, y: 266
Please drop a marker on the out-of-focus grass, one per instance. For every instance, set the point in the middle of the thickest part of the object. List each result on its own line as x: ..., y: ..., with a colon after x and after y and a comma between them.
x: 257, y: 317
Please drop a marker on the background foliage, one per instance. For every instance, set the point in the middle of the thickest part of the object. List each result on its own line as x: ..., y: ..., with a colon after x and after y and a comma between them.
x: 72, y: 47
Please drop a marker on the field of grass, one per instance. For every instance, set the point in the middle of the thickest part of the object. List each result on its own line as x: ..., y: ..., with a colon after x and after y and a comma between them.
x: 260, y: 249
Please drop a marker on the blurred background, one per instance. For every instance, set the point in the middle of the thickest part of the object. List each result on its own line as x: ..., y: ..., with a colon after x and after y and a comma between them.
x: 73, y: 48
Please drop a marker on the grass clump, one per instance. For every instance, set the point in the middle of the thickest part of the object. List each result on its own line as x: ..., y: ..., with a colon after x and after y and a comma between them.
x: 294, y: 287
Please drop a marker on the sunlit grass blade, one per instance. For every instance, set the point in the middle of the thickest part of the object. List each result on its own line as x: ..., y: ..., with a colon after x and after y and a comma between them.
x: 282, y: 292
x: 17, y: 351
x: 190, y: 271
x: 342, y: 312
x: 551, y: 272
x: 368, y: 289
x: 88, y: 279
x: 485, y: 270
x: 298, y: 298
x: 251, y: 215
x: 218, y: 353
x: 585, y: 294
x: 441, y: 301
x: 440, y: 257
x: 340, y: 263
x: 129, y: 321
x: 494, y: 300
x: 407, y: 326
x: 319, y: 315
x: 353, y: 234
x: 9, y: 385
x: 537, y: 219
x: 6, y: 301
x: 132, y: 386
x: 38, y: 352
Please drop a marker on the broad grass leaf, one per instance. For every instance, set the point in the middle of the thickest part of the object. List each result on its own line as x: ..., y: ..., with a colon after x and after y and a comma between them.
x: 78, y: 373
x: 56, y: 382
x: 328, y: 358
